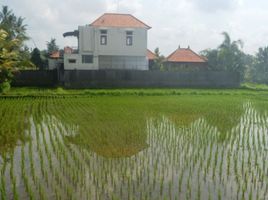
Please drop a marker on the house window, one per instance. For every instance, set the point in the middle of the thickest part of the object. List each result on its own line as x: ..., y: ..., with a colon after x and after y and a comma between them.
x: 87, y: 58
x: 129, y: 38
x: 103, y: 37
x: 72, y: 60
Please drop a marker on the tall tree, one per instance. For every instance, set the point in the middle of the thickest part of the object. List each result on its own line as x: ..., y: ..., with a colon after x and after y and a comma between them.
x: 13, y: 54
x: 9, y: 59
x: 36, y: 58
x: 228, y: 56
x: 52, y: 46
x: 158, y: 61
x: 12, y: 24
x: 249, y: 63
x: 259, y: 69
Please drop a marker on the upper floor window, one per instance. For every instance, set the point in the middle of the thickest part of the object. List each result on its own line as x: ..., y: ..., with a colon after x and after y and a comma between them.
x: 129, y: 38
x: 103, y: 37
x: 87, y: 58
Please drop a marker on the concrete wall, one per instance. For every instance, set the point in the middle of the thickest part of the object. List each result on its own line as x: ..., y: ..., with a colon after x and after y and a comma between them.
x: 86, y: 39
x: 79, y: 65
x: 54, y: 63
x: 35, y: 78
x: 149, y: 79
x: 123, y: 62
x: 89, y: 41
x: 116, y: 42
x: 89, y: 44
x: 126, y: 79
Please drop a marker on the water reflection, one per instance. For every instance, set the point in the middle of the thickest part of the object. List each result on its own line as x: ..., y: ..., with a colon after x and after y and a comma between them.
x: 164, y: 157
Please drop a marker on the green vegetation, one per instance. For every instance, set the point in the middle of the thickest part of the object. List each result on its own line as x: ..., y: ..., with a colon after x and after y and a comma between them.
x: 13, y: 54
x: 255, y: 87
x: 247, y: 89
x: 133, y: 144
x: 228, y: 56
x: 259, y: 70
x: 158, y: 62
x: 37, y: 60
x: 52, y: 46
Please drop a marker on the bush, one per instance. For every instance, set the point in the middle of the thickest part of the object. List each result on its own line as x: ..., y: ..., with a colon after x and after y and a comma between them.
x: 4, y: 87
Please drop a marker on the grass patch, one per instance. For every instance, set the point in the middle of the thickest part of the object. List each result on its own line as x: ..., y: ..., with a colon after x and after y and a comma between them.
x: 61, y: 92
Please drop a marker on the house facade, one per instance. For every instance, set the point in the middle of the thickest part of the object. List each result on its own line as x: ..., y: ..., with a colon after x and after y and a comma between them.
x: 113, y: 41
x: 185, y: 59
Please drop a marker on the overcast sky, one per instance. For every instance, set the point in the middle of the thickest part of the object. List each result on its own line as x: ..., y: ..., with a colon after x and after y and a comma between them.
x: 197, y: 23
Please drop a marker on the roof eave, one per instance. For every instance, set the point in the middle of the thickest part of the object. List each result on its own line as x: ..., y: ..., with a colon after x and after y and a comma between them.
x: 186, y: 61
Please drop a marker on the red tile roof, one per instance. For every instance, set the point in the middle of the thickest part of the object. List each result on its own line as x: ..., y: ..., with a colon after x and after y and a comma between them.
x: 185, y: 55
x: 119, y: 20
x: 150, y: 55
x: 55, y: 54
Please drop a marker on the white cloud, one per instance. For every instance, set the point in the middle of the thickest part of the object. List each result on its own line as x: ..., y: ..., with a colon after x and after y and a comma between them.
x: 197, y: 23
x: 215, y: 5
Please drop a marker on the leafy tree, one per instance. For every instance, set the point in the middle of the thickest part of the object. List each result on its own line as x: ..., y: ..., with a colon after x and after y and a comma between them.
x: 36, y: 58
x: 158, y: 61
x: 9, y: 59
x: 249, y: 62
x: 228, y: 56
x: 212, y: 58
x: 52, y: 46
x: 13, y: 54
x: 259, y: 69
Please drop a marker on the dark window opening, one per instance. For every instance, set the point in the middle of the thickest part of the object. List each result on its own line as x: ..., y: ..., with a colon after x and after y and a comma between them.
x: 72, y: 60
x: 103, y: 31
x: 87, y: 58
x: 129, y: 40
x: 129, y: 32
x: 103, y: 39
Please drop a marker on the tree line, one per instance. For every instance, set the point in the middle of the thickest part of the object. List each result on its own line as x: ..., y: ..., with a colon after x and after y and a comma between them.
x: 229, y: 56
x: 15, y: 55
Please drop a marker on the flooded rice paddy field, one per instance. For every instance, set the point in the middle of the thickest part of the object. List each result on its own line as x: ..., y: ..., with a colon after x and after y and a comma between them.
x: 131, y: 147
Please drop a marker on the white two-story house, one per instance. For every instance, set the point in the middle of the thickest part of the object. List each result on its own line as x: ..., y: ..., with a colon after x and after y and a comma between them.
x: 113, y: 41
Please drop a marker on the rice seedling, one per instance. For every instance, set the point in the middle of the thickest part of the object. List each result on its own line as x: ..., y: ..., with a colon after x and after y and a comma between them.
x: 132, y: 147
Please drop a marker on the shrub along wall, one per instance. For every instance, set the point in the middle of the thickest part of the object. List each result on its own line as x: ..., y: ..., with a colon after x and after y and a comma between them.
x: 127, y: 79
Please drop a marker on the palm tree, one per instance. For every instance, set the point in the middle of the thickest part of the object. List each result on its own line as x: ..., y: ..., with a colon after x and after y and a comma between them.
x: 13, y: 25
x: 229, y: 44
x: 230, y: 56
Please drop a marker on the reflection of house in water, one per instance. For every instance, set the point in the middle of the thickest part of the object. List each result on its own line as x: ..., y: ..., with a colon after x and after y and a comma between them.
x: 109, y: 143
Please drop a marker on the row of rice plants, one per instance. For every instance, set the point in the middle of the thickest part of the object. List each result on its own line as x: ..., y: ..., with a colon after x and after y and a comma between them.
x: 198, y: 161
